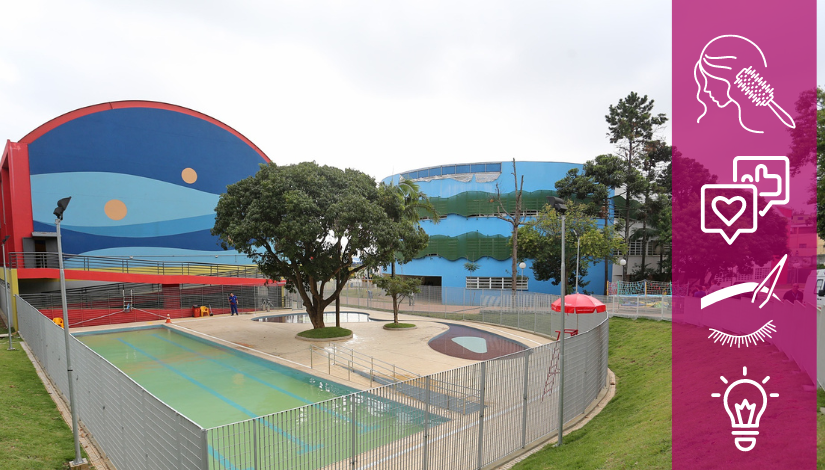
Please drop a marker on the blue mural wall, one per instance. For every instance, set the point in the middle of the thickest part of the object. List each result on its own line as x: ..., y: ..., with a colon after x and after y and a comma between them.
x: 143, y: 182
x: 537, y: 176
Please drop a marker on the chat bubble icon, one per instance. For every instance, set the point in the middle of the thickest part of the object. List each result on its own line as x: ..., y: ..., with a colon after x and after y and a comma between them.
x: 770, y: 175
x: 729, y: 210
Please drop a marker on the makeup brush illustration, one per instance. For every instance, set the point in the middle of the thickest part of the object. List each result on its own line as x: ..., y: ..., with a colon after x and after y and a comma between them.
x: 761, y: 93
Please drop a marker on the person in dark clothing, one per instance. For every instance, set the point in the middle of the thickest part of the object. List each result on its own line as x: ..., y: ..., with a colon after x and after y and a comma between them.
x: 793, y: 295
x: 233, y: 304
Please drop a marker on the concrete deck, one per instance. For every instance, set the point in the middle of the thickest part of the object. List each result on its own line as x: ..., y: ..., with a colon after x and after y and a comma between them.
x: 276, y: 341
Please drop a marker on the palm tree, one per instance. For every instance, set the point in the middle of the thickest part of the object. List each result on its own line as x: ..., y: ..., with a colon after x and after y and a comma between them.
x: 414, y: 203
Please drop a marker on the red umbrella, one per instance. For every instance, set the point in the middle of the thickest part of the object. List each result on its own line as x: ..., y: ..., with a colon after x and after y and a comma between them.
x: 579, y: 303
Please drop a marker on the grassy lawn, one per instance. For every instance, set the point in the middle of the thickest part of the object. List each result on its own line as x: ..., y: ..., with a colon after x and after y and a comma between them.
x: 324, y: 333
x: 33, y: 435
x: 399, y: 325
x: 633, y: 431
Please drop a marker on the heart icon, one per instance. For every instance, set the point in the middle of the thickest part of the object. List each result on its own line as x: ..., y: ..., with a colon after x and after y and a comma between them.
x: 730, y: 201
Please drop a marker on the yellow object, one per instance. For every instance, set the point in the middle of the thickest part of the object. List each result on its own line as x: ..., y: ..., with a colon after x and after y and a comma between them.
x: 204, y: 311
x: 58, y: 321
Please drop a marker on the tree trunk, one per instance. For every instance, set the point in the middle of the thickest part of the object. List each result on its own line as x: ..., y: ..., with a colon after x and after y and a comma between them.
x: 606, y: 258
x: 515, y: 259
x: 627, y: 203
x: 316, y: 314
x: 395, y: 309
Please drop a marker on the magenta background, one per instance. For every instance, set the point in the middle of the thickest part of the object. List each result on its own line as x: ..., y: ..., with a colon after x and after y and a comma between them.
x: 786, y: 33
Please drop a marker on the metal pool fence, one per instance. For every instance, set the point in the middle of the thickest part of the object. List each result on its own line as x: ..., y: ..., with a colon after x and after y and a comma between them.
x: 134, y: 428
x: 526, y: 310
x: 466, y: 418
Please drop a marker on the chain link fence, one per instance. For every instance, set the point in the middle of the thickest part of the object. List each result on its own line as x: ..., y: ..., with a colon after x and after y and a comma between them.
x: 127, y: 303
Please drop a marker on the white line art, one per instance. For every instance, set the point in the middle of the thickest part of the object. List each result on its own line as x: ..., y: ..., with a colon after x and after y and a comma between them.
x: 758, y: 335
x: 729, y: 221
x: 717, y: 73
x: 745, y: 287
x: 783, y: 181
x: 744, y: 417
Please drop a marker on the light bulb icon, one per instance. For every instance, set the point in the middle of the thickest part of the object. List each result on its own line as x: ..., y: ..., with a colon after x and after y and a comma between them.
x: 745, y: 415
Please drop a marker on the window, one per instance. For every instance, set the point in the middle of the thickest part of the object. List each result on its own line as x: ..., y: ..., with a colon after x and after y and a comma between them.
x: 477, y: 168
x: 652, y: 248
x: 435, y: 171
x: 499, y: 283
x: 462, y: 169
x: 494, y: 167
x: 634, y: 248
x: 448, y: 170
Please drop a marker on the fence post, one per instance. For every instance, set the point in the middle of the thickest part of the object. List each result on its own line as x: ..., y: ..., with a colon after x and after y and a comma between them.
x: 426, y: 417
x: 480, y: 461
x: 255, y: 443
x: 354, y: 430
x: 524, y: 406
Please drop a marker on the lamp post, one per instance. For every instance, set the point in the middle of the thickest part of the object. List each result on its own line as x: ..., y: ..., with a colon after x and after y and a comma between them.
x: 578, y: 240
x: 58, y: 212
x: 7, y: 291
x: 561, y: 208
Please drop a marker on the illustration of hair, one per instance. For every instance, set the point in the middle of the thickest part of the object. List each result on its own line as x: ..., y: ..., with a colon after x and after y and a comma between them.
x: 716, y: 63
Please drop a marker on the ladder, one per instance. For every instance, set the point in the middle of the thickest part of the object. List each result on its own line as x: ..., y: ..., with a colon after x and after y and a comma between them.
x: 552, y: 372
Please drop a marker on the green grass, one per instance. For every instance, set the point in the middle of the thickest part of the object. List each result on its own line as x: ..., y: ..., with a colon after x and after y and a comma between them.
x: 399, y: 325
x: 633, y: 431
x: 326, y: 333
x: 33, y: 435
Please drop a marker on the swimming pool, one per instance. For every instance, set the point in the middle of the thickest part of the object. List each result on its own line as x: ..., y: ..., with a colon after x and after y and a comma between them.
x: 214, y: 386
x: 346, y: 317
x: 210, y: 384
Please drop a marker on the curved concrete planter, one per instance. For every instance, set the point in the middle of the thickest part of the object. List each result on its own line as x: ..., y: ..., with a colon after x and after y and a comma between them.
x: 400, y: 329
x: 321, y: 340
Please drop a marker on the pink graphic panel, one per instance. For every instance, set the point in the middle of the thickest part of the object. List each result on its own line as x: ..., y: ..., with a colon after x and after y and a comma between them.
x: 744, y: 235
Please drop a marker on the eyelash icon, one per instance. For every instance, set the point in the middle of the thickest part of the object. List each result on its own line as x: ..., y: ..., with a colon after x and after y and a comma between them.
x: 760, y: 334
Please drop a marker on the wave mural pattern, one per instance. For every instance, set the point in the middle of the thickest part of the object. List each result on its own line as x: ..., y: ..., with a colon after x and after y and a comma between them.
x: 139, y: 178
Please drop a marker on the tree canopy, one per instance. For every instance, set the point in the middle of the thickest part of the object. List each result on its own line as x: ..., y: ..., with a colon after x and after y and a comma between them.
x: 541, y: 242
x: 308, y: 224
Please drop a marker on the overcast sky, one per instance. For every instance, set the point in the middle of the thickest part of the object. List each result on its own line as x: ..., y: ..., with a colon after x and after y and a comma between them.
x: 382, y: 87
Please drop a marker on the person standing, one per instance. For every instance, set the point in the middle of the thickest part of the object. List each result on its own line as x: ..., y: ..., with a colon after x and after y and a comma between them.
x: 793, y: 295
x: 233, y: 304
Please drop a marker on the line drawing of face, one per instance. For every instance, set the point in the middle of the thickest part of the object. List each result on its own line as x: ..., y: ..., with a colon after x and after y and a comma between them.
x: 713, y: 73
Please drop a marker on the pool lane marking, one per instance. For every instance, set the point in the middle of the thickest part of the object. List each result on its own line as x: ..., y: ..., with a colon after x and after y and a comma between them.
x: 265, y: 383
x: 304, y: 446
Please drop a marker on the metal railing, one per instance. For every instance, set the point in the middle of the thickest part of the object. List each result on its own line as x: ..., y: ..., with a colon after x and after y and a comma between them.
x: 131, y: 265
x: 423, y: 423
x: 354, y: 362
x: 134, y: 428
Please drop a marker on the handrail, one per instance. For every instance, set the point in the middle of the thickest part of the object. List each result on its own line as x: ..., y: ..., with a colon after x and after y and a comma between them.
x: 131, y: 265
x: 349, y: 359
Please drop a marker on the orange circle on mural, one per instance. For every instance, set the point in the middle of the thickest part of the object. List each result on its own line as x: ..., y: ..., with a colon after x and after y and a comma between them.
x: 189, y: 175
x: 115, y: 210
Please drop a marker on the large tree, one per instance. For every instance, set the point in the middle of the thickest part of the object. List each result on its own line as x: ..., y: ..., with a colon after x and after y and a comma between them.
x: 631, y: 126
x: 541, y: 242
x: 311, y: 224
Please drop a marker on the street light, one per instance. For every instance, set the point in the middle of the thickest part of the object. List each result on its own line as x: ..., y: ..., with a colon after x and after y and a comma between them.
x: 7, y: 291
x: 578, y: 240
x: 561, y: 208
x: 58, y: 212
x: 522, y: 265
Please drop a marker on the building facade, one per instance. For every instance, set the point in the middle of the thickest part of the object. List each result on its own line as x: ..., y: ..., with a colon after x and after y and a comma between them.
x: 465, y: 196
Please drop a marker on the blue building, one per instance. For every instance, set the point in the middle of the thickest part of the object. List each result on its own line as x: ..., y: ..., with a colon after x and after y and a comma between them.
x: 465, y: 196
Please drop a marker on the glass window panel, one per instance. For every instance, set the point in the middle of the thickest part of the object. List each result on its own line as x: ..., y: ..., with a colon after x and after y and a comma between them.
x: 477, y: 168
x: 435, y: 171
x: 448, y: 170
x: 494, y: 167
x: 462, y: 169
